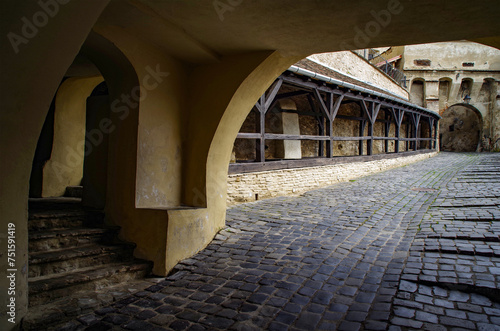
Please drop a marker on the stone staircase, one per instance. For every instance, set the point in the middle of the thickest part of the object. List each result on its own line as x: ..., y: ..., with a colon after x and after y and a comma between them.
x: 73, y: 255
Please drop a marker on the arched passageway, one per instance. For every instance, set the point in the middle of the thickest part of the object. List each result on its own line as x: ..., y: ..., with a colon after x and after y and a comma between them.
x: 460, y: 129
x: 171, y: 156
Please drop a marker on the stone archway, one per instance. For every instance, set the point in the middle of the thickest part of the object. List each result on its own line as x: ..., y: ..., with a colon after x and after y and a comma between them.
x: 460, y: 129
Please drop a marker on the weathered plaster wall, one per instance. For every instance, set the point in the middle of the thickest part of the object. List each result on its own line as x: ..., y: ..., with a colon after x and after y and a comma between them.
x: 146, y: 228
x: 160, y: 93
x: 446, y: 81
x: 30, y: 78
x: 267, y: 184
x: 455, y: 55
x: 65, y: 167
x: 351, y: 64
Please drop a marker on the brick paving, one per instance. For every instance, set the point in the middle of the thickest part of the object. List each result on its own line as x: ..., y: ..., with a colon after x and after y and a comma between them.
x: 416, y: 247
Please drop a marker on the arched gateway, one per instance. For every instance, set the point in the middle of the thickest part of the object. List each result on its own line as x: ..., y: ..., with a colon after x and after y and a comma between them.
x: 212, y: 64
x: 460, y: 129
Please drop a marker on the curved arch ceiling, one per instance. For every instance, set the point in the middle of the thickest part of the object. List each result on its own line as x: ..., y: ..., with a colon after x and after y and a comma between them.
x: 202, y: 31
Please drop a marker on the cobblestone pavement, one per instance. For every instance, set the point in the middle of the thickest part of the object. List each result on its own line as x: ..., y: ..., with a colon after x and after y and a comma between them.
x: 411, y: 248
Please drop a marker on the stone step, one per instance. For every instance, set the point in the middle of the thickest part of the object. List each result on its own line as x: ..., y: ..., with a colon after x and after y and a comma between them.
x: 43, y: 221
x: 55, y: 314
x: 63, y: 260
x: 65, y: 238
x: 57, y: 203
x: 48, y: 288
x: 74, y: 192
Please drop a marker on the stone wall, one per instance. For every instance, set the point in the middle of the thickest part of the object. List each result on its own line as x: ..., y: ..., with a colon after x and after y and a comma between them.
x: 260, y: 185
x: 349, y: 63
x: 441, y: 75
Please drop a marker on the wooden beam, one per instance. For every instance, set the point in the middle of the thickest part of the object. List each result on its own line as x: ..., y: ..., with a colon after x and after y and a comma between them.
x: 272, y: 94
x: 350, y: 138
x: 366, y: 110
x: 336, y: 106
x: 321, y: 102
x: 387, y: 129
x: 291, y: 94
x: 247, y: 135
x: 281, y: 136
x: 299, y: 82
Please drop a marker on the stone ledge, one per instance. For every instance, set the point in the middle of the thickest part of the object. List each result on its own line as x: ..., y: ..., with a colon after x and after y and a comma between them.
x: 246, y: 187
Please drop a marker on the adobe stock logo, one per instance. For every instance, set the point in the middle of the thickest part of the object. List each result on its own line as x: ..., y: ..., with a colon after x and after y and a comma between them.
x: 30, y: 28
x: 223, y: 6
x: 381, y: 20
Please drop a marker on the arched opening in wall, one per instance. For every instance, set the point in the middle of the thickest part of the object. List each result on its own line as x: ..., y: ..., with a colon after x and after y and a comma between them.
x: 460, y: 129
x: 73, y: 247
x: 98, y: 126
x: 58, y: 163
x: 487, y: 99
x: 444, y: 93
x: 417, y: 92
x: 487, y: 92
x: 465, y: 90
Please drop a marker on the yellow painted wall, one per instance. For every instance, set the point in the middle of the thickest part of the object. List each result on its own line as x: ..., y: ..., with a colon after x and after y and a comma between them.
x: 146, y: 228
x: 29, y: 80
x: 229, y: 64
x: 150, y: 144
x: 214, y: 123
x: 65, y: 167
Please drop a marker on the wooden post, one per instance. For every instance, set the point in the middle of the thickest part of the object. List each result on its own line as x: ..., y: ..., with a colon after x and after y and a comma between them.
x: 398, y: 115
x: 435, y: 134
x: 263, y: 105
x: 260, y: 152
x: 387, y: 130
x: 329, y: 143
x: 416, y: 130
x: 432, y: 143
x: 321, y: 131
x: 362, y: 125
x: 407, y: 142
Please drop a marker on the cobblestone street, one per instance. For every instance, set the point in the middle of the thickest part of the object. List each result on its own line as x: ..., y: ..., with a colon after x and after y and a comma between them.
x: 416, y: 247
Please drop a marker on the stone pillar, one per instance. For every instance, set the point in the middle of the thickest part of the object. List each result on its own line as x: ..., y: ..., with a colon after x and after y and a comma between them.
x: 98, y: 126
x: 495, y: 111
x: 30, y: 78
x: 65, y: 167
x: 444, y: 94
x: 417, y: 93
x: 432, y: 94
x: 476, y: 88
x: 290, y: 122
x: 454, y: 89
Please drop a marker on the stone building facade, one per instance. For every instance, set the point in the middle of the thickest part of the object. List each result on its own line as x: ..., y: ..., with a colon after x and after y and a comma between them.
x: 182, y: 78
x: 461, y: 81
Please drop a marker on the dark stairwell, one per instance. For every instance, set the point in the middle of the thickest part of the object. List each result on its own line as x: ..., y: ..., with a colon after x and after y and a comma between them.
x: 73, y: 257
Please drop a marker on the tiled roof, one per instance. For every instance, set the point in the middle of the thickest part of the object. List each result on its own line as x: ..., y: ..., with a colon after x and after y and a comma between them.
x: 320, y: 69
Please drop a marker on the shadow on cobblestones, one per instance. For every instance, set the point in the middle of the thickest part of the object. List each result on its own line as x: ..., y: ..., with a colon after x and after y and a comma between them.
x: 411, y: 248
